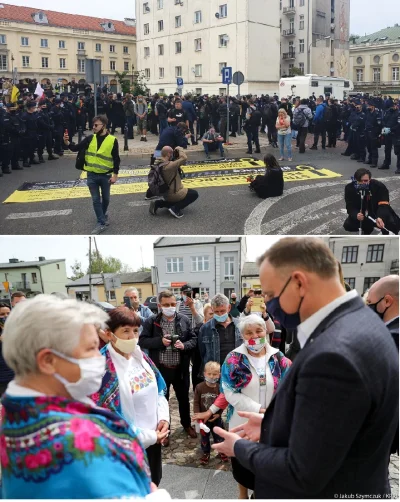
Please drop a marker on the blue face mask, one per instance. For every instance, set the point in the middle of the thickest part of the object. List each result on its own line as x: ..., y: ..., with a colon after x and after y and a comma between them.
x: 288, y: 321
x: 184, y: 297
x: 221, y: 318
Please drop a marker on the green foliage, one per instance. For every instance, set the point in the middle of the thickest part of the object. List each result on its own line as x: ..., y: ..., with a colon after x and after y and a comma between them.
x: 107, y: 265
x: 123, y: 82
x: 295, y: 71
x: 144, y: 269
x: 77, y: 272
x: 140, y: 86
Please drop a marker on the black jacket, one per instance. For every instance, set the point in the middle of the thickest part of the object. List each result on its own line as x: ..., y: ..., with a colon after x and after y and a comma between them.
x: 173, y: 137
x: 269, y: 185
x: 393, y: 327
x: 151, y: 339
x: 330, y: 426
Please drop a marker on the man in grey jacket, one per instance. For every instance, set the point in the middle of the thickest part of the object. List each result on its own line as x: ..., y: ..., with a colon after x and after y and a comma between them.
x: 303, y: 116
x: 140, y: 110
x: 129, y: 109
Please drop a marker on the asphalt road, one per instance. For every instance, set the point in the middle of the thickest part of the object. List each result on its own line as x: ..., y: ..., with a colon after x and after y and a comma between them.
x: 306, y: 207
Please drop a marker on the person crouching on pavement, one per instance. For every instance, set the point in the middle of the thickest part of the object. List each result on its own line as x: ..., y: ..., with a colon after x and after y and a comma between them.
x: 271, y: 183
x: 212, y: 141
x: 374, y: 196
x: 177, y: 197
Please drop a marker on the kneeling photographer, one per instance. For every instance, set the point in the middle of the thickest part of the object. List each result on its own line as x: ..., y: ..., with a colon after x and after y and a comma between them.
x: 176, y: 196
x: 367, y: 200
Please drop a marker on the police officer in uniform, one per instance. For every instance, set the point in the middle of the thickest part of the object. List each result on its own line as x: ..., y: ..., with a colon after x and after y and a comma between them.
x: 358, y: 128
x: 389, y: 124
x: 396, y: 143
x: 373, y: 126
x: 57, y: 117
x: 3, y: 145
x: 31, y: 133
x: 14, y: 129
x: 45, y: 133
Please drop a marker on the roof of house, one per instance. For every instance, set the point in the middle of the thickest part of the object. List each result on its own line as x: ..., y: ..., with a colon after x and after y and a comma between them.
x: 190, y: 241
x: 250, y: 269
x: 128, y: 278
x: 390, y: 34
x: 27, y: 264
x: 63, y: 20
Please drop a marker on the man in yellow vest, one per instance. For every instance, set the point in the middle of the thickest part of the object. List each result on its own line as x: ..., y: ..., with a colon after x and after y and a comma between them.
x: 102, y: 166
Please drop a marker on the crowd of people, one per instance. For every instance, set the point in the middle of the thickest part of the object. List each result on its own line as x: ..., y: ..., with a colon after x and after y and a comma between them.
x: 86, y: 394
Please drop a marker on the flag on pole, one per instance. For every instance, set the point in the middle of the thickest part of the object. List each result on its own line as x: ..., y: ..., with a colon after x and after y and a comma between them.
x: 39, y: 91
x: 14, y: 94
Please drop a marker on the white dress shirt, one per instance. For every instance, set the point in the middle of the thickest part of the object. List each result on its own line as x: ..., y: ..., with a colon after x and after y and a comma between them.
x: 307, y: 328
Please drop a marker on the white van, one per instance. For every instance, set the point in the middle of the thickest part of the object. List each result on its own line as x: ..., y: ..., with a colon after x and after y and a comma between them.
x: 305, y: 85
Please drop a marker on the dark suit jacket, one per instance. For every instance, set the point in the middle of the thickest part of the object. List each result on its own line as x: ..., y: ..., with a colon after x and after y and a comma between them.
x: 330, y: 427
x: 393, y: 327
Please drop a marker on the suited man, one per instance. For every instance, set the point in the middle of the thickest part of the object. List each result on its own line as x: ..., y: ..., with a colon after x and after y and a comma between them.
x: 329, y: 429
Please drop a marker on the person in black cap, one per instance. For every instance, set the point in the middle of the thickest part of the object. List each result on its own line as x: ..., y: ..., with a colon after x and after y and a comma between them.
x: 390, y: 125
x: 29, y: 142
x: 373, y: 126
x: 57, y: 116
x: 45, y: 132
x: 13, y: 128
x: 190, y: 307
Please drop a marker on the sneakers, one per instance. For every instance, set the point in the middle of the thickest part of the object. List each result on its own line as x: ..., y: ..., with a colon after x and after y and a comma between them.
x: 281, y: 158
x: 149, y: 195
x: 290, y: 159
x: 153, y: 207
x: 98, y: 230
x: 178, y: 214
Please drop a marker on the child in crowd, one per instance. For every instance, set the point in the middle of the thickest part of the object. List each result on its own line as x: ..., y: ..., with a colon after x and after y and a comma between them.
x: 204, y: 396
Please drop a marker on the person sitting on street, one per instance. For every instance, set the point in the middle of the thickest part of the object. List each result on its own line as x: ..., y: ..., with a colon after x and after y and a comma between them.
x: 211, y: 141
x: 375, y: 201
x: 271, y: 183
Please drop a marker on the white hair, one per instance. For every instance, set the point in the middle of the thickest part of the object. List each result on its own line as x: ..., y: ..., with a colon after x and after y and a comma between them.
x: 219, y: 300
x: 251, y: 320
x: 45, y: 322
x: 131, y: 290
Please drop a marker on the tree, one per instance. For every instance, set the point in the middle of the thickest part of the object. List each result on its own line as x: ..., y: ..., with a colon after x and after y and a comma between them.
x: 107, y: 265
x: 77, y: 272
x: 295, y: 71
x: 125, y: 84
x: 140, y: 87
x: 144, y: 269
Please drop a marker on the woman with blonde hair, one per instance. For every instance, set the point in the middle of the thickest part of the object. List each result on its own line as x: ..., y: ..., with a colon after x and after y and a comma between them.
x: 284, y: 134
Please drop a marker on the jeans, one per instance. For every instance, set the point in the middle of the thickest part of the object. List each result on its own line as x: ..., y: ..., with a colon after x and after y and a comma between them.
x: 301, y: 138
x: 205, y: 440
x: 252, y: 135
x: 163, y: 125
x: 96, y: 183
x: 213, y: 146
x: 319, y: 130
x: 191, y: 196
x: 129, y: 123
x: 285, y: 140
x: 180, y: 383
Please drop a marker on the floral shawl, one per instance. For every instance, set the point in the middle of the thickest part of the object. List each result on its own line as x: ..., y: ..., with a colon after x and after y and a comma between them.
x: 53, y: 447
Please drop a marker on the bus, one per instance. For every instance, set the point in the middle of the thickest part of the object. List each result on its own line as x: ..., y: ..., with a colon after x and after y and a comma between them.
x: 307, y: 85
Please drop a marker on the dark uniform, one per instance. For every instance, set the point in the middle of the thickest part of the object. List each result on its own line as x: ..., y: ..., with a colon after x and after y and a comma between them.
x: 390, y: 120
x: 373, y: 126
x: 45, y: 134
x: 30, y: 142
x: 358, y: 128
x: 57, y: 117
x: 14, y: 130
x: 3, y: 145
x: 396, y: 143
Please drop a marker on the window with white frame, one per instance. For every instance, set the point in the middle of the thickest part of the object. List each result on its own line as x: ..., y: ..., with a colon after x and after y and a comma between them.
x: 146, y: 29
x: 222, y: 91
x: 198, y: 68
x: 126, y: 65
x: 351, y: 281
x: 291, y: 24
x: 125, y: 49
x: 221, y: 67
x: 161, y: 91
x: 81, y: 46
x: 146, y: 52
x: 178, y: 47
x: 301, y: 25
x: 160, y: 4
x: 203, y: 291
x: 3, y: 62
x: 178, y: 21
x: 301, y: 68
x: 146, y: 8
x: 198, y: 91
x: 197, y: 44
x: 377, y: 74
x: 111, y: 295
x: 197, y: 17
x: 2, y: 39
x: 160, y: 25
x: 63, y: 64
x: 44, y: 42
x: 61, y: 44
x: 161, y: 72
x: 395, y: 73
x: 229, y: 268
x: 161, y: 50
x: 112, y: 65
x: 81, y: 65
x: 223, y: 42
x: 98, y: 47
x: 147, y: 72
x: 178, y: 71
x: 24, y: 41
x: 291, y: 66
x: 174, y: 265
x: 301, y: 45
x: 200, y: 263
x: 360, y: 75
x: 223, y: 10
x: 112, y: 48
x: 25, y: 61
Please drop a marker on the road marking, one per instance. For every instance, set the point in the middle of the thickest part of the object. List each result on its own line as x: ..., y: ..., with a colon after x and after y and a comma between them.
x: 39, y: 214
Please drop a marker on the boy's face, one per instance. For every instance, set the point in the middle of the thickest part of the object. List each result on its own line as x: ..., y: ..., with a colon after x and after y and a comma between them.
x: 212, y: 374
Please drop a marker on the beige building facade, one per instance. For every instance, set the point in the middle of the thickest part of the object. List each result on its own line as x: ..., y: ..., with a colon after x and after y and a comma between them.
x: 52, y: 45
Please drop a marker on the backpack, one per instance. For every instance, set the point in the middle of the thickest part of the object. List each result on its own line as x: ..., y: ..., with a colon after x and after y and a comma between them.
x: 255, y: 118
x: 155, y: 178
x: 327, y: 114
x: 299, y: 119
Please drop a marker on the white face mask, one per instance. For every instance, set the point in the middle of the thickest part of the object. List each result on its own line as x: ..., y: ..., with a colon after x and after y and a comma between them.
x: 168, y: 311
x: 256, y: 345
x: 126, y: 346
x: 92, y: 371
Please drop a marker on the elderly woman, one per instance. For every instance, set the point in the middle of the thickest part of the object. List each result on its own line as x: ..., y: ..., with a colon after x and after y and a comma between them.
x: 133, y: 387
x: 250, y: 376
x: 284, y: 133
x: 54, y: 442
x: 6, y: 374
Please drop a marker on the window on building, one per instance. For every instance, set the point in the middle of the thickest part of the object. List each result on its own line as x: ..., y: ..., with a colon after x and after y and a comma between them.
x: 34, y: 278
x: 58, y: 266
x: 203, y: 291
x: 301, y: 45
x: 146, y: 52
x: 368, y: 281
x: 301, y: 3
x: 301, y: 25
x: 24, y: 41
x: 161, y: 72
x: 375, y: 253
x: 178, y: 71
x: 147, y: 73
x: 2, y: 39
x: 291, y: 24
x: 112, y: 65
x: 377, y: 74
x: 126, y: 65
x: 146, y: 8
x: 291, y: 47
x: 280, y: 4
x: 221, y: 67
x: 81, y: 65
x: 360, y: 75
x: 223, y: 41
x: 112, y: 48
x: 45, y: 62
x: 25, y: 61
x: 197, y: 17
x: 125, y: 49
x: 350, y: 254
x: 81, y: 46
x: 44, y: 42
x: 63, y: 63
x: 200, y: 264
x: 98, y: 47
x: 146, y: 29
x: 223, y: 10
x: 3, y: 62
x: 222, y: 91
x: 160, y: 4
x: 174, y: 265
x: 61, y: 44
x: 197, y: 44
x: 291, y: 66
x: 160, y: 25
x: 161, y: 91
x: 111, y: 295
x: 198, y: 68
x: 198, y: 91
x: 161, y: 50
x: 178, y: 47
x: 351, y: 281
x: 395, y: 73
x: 229, y: 268
x: 301, y: 68
x: 178, y: 21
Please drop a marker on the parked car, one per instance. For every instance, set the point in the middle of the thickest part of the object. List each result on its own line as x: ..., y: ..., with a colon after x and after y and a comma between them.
x: 107, y: 307
x: 151, y: 302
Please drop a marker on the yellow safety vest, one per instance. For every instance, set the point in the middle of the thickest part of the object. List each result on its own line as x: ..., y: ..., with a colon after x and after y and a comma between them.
x: 100, y: 161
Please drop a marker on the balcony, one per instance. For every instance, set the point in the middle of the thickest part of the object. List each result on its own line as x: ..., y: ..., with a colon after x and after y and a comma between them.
x: 288, y: 33
x: 392, y: 86
x: 22, y: 285
x: 289, y: 10
x: 288, y: 55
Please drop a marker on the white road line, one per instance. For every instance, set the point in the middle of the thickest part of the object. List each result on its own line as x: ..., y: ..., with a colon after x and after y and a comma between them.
x: 139, y: 203
x: 39, y: 214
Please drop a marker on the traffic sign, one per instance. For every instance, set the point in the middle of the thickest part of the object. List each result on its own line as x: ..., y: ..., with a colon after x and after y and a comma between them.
x: 238, y: 78
x: 227, y: 75
x: 179, y: 82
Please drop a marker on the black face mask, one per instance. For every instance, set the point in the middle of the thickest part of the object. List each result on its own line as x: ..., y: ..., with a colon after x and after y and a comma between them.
x: 374, y: 306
